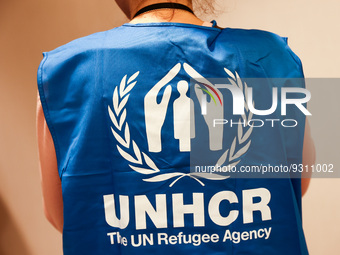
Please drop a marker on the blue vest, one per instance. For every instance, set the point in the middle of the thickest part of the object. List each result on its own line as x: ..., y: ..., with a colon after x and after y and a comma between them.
x: 116, y: 103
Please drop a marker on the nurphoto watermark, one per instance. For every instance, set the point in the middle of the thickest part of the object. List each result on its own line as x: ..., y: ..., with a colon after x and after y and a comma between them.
x: 253, y: 128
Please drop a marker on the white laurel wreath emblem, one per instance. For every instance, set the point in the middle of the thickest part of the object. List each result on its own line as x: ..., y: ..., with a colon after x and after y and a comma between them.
x: 242, y: 137
x: 143, y: 164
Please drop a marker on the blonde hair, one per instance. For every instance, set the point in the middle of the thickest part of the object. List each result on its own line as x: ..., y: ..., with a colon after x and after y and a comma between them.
x: 204, y: 6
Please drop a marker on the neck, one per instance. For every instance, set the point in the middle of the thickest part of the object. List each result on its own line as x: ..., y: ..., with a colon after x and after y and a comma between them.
x: 145, y: 3
x: 165, y: 15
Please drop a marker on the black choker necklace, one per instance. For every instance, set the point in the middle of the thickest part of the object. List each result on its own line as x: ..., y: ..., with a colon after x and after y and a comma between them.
x: 163, y: 6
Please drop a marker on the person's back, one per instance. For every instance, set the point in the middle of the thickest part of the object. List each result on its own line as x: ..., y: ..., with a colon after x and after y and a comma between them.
x: 124, y: 110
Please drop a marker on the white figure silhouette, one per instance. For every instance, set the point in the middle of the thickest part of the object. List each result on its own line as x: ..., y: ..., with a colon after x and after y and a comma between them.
x: 214, y: 111
x: 184, y: 121
x: 155, y: 113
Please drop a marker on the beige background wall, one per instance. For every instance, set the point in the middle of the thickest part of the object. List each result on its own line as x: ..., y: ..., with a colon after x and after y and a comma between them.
x: 29, y: 27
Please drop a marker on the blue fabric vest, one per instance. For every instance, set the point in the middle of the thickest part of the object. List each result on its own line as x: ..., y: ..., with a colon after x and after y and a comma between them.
x: 111, y: 101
